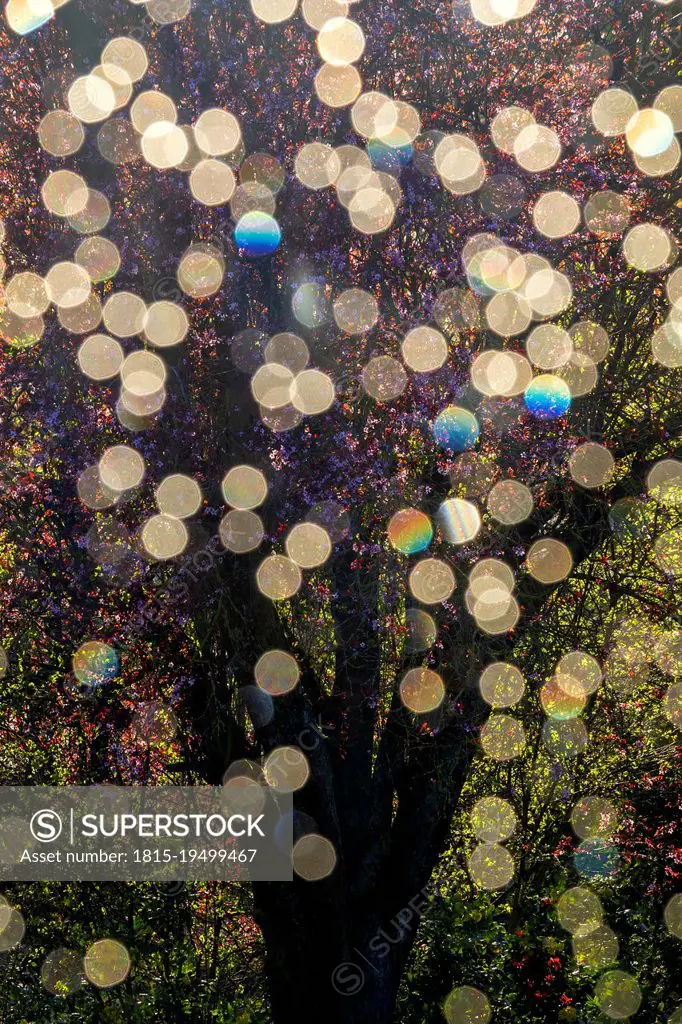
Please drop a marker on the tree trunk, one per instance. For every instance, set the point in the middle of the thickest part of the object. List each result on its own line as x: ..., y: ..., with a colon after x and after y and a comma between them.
x: 323, y: 964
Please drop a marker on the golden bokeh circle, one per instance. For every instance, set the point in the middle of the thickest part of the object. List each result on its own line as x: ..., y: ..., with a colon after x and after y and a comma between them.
x: 491, y: 866
x: 493, y: 819
x: 503, y: 737
x: 277, y: 672
x: 467, y: 1005
x: 617, y: 995
x: 313, y: 857
x: 106, y: 963
x: 421, y: 690
x: 241, y: 531
x: 549, y: 560
x: 502, y: 685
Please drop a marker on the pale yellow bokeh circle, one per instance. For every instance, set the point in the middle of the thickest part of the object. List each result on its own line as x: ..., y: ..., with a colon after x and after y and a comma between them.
x: 549, y: 346
x: 60, y: 133
x: 579, y: 911
x: 100, y: 357
x: 590, y: 339
x: 64, y: 193
x: 649, y: 132
x: 549, y: 560
x: 312, y: 392
x: 164, y: 537
x: 212, y: 182
x: 124, y: 314
x: 82, y: 318
x: 272, y: 12
x: 384, y: 378
x: 317, y: 13
x: 165, y: 324
x: 26, y: 294
x: 669, y: 100
x: 338, y: 86
x: 578, y: 673
x: 594, y: 817
x: 128, y: 54
x: 355, y: 311
x: 617, y: 995
x: 286, y: 769
x: 537, y: 148
x: 271, y: 385
x: 664, y: 482
x: 424, y: 349
x: 217, y: 132
x: 308, y: 545
x: 596, y: 950
x: 340, y: 42
x: 99, y: 257
x: 648, y: 247
x: 317, y: 165
x: 178, y: 495
x: 121, y: 468
x: 244, y: 487
x: 152, y: 106
x: 241, y: 531
x: 507, y: 125
x: 67, y: 284
x: 164, y: 144
x: 371, y: 210
x: 591, y: 465
x: 556, y: 214
x: 91, y: 98
x: 143, y: 373
x: 612, y: 110
x: 606, y: 214
x: 672, y: 915
x: 432, y: 581
x: 200, y: 272
x: 278, y: 577
x: 510, y: 502
x: 509, y: 313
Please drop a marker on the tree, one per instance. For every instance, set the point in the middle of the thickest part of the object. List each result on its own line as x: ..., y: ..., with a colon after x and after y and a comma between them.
x: 385, y: 779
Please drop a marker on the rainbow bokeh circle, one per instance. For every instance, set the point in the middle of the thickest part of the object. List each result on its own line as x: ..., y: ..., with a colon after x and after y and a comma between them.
x: 455, y: 429
x: 410, y: 531
x: 95, y: 663
x: 547, y: 397
x: 388, y: 157
x: 257, y: 233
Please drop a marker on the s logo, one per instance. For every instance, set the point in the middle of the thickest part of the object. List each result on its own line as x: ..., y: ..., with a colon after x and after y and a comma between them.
x: 46, y: 826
